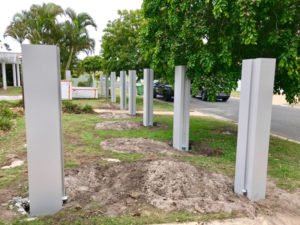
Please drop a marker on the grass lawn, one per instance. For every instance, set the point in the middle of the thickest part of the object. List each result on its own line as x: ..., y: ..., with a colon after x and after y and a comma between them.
x: 103, y: 102
x: 235, y: 94
x: 81, y: 145
x: 11, y: 91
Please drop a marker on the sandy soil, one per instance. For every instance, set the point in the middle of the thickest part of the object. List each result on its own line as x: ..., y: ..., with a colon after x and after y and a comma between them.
x: 125, y: 125
x: 138, y: 145
x: 169, y: 185
x: 118, y: 125
x: 113, y: 115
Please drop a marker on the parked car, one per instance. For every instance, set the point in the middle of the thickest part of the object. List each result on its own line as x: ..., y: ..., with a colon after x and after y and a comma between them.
x: 163, y: 90
x: 221, y: 96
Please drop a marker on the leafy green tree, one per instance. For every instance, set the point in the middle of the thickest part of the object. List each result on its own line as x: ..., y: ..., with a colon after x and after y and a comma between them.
x: 120, y: 46
x: 212, y: 37
x: 91, y: 64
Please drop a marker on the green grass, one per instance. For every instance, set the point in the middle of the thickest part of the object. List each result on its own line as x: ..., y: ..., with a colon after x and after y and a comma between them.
x: 67, y: 217
x: 158, y: 105
x: 82, y: 146
x: 11, y: 91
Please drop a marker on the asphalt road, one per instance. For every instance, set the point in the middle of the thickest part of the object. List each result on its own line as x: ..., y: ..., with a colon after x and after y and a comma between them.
x: 285, y: 120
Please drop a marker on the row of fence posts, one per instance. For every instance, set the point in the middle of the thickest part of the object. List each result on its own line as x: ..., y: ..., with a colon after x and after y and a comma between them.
x: 44, y: 130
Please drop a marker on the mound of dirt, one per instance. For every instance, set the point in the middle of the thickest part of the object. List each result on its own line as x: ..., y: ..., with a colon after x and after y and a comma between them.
x: 113, y: 115
x: 137, y: 145
x: 118, y: 125
x: 133, y: 188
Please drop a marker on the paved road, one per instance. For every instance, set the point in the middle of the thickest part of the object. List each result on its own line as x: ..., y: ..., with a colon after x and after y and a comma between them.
x: 285, y: 120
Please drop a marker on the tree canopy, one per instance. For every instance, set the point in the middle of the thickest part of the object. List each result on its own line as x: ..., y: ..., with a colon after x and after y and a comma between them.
x: 212, y: 37
x: 40, y: 25
x: 120, y: 46
x: 91, y: 64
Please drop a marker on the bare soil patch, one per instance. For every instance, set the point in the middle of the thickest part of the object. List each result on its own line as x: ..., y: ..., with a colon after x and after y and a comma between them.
x: 138, y: 145
x: 125, y: 125
x: 168, y: 185
x: 113, y: 115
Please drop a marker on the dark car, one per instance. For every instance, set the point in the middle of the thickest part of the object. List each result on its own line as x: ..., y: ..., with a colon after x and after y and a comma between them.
x: 221, y: 96
x: 163, y: 90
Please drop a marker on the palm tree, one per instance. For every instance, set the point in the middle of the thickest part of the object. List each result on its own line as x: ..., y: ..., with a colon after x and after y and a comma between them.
x: 18, y: 28
x: 43, y: 24
x: 77, y: 38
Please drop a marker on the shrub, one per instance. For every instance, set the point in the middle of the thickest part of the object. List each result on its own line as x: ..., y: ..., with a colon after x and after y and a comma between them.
x: 87, y: 109
x: 69, y: 107
x: 5, y: 112
x: 5, y: 124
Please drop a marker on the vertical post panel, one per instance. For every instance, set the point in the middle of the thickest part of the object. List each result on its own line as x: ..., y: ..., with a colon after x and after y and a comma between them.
x: 254, y: 130
x: 113, y: 86
x: 18, y: 75
x: 132, y: 92
x: 148, y: 98
x: 123, y: 90
x: 102, y: 86
x: 106, y: 86
x: 14, y: 75
x: 43, y: 128
x: 244, y: 108
x: 181, y: 118
x: 4, y: 82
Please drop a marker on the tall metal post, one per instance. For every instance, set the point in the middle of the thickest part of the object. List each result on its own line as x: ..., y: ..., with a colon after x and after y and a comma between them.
x: 132, y: 92
x: 43, y: 128
x: 113, y: 87
x: 148, y: 98
x: 254, y: 127
x: 181, y: 121
x: 123, y: 90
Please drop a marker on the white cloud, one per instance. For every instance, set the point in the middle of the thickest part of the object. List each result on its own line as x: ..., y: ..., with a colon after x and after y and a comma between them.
x: 102, y: 11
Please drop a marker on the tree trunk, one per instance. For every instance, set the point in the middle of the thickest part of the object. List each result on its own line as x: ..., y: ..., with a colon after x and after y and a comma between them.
x: 70, y: 59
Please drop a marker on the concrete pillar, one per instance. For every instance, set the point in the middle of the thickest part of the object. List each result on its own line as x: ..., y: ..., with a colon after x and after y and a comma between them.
x: 102, y: 85
x: 4, y: 82
x: 254, y: 127
x: 182, y: 96
x: 106, y: 86
x: 132, y: 92
x: 43, y: 128
x: 18, y: 75
x: 123, y: 90
x: 14, y: 75
x: 148, y: 98
x: 113, y: 87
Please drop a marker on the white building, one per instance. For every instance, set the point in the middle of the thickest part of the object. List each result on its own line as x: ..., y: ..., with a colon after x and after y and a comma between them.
x: 13, y: 60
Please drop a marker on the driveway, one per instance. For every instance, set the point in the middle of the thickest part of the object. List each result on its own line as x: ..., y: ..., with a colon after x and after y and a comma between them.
x: 285, y: 119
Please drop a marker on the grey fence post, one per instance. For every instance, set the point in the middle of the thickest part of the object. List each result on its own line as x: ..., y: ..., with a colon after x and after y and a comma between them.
x: 182, y: 95
x: 113, y: 87
x: 43, y: 128
x: 132, y: 92
x: 123, y: 90
x: 148, y: 98
x: 254, y: 127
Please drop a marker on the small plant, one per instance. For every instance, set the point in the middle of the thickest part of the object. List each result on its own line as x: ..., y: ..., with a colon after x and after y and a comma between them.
x: 69, y: 107
x: 5, y: 112
x: 6, y: 117
x: 87, y: 109
x: 5, y: 124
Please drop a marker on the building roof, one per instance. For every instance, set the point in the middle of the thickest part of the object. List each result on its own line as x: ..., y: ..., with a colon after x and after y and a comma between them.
x: 10, y: 57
